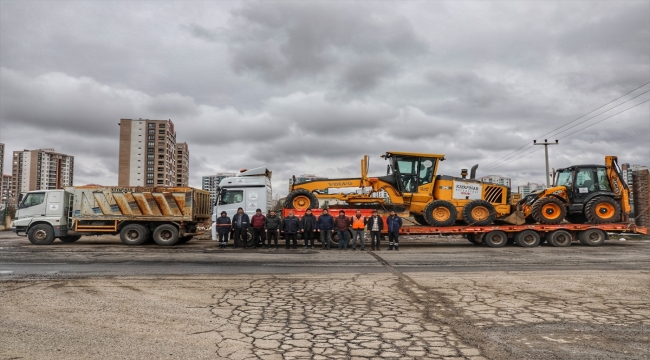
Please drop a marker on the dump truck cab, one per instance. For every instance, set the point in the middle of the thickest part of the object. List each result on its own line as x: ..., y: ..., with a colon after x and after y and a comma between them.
x: 43, y: 207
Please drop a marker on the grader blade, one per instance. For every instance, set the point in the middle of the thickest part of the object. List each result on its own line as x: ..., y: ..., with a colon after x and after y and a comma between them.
x: 516, y: 218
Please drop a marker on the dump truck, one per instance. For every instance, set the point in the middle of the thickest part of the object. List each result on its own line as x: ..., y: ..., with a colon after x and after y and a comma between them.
x: 168, y: 215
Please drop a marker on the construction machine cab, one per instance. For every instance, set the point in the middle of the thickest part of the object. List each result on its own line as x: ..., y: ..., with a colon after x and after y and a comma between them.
x: 583, y: 181
x: 411, y: 170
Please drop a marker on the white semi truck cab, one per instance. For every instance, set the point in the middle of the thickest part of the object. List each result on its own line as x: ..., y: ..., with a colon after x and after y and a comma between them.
x: 249, y: 190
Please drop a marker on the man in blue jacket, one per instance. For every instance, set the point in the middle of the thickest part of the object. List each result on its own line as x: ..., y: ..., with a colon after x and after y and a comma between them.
x: 394, y: 223
x: 325, y: 226
x: 290, y: 228
x: 240, y: 223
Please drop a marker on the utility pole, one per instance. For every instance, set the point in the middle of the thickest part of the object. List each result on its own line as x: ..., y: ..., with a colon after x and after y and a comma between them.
x: 546, y: 144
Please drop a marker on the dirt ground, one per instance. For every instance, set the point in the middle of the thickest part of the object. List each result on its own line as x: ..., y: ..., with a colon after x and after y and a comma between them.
x: 541, y: 314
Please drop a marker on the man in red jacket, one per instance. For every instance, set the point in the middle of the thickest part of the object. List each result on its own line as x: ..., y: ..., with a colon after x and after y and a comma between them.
x: 257, y: 221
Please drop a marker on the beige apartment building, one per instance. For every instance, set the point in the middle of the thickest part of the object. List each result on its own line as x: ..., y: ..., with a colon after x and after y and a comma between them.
x: 5, y: 188
x: 182, y: 165
x: 2, y: 167
x: 41, y: 169
x: 148, y: 153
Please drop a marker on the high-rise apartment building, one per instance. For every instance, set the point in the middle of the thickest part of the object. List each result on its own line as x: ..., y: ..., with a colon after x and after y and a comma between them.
x: 40, y: 169
x: 211, y: 182
x: 147, y: 153
x: 2, y: 167
x: 5, y: 189
x: 182, y: 165
x: 530, y: 188
x: 628, y: 172
x: 496, y: 179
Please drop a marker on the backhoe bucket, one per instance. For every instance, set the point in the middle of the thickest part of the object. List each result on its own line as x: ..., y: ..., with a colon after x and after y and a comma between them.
x: 516, y: 218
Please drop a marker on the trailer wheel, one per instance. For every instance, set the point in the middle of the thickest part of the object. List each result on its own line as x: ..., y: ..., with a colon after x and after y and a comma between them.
x: 41, y: 234
x: 602, y: 210
x: 495, y: 239
x: 165, y: 235
x: 420, y: 219
x: 527, y: 238
x: 134, y: 234
x: 559, y: 238
x: 592, y: 237
x: 70, y: 239
x: 479, y: 212
x: 549, y: 210
x: 440, y: 213
x: 301, y: 199
x: 473, y: 239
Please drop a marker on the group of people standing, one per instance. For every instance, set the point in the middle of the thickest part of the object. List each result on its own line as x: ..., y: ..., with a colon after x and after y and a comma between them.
x: 266, y: 229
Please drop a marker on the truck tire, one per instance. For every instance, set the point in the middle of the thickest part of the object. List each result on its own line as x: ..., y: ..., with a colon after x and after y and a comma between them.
x: 473, y: 239
x: 602, y: 210
x: 41, y: 234
x: 134, y: 234
x: 420, y: 219
x: 495, y: 239
x: 70, y: 239
x: 592, y: 237
x: 479, y: 212
x: 559, y: 238
x: 165, y: 235
x: 549, y: 210
x: 527, y: 238
x: 301, y: 199
x: 440, y: 213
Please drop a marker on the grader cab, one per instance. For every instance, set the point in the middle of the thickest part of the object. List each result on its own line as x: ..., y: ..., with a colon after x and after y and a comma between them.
x: 413, y: 188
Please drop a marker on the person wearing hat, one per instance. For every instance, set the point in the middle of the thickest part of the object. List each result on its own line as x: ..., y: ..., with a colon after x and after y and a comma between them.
x: 394, y: 223
x: 325, y: 226
x: 240, y: 224
x: 342, y: 223
x: 272, y: 225
x: 223, y: 225
x: 257, y: 222
x: 375, y: 226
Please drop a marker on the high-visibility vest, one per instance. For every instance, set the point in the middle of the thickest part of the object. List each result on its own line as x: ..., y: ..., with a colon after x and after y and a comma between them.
x: 358, y: 223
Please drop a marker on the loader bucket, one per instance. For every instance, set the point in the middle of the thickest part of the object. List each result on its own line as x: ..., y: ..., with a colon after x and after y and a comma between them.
x: 516, y: 218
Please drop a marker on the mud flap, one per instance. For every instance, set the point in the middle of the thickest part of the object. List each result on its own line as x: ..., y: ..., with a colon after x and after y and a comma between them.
x: 516, y: 218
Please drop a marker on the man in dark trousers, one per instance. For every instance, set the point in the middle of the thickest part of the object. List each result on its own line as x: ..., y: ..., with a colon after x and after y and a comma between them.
x: 223, y: 225
x: 358, y: 228
x: 325, y: 226
x: 375, y: 226
x: 394, y: 223
x: 290, y: 228
x: 308, y: 225
x: 272, y: 226
x: 240, y: 223
x: 342, y: 223
x: 257, y: 222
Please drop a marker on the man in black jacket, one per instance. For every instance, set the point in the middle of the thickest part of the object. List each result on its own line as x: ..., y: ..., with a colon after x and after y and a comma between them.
x: 375, y: 225
x: 308, y: 225
x: 271, y: 227
x: 290, y: 228
x: 240, y: 224
x: 223, y: 225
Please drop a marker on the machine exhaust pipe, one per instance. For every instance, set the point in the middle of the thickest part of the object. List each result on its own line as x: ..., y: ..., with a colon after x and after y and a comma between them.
x: 472, y: 173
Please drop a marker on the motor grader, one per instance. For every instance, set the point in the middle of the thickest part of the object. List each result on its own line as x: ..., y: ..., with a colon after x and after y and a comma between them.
x: 412, y: 188
x: 580, y: 194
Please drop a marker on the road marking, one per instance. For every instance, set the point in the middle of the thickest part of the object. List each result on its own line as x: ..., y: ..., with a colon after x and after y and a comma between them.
x: 6, y: 272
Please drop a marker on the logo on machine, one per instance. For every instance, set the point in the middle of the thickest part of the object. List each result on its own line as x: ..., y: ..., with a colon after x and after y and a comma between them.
x: 340, y: 183
x: 465, y: 190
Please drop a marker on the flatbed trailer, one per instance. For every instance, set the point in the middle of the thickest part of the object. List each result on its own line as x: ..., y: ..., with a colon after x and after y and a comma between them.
x: 496, y: 235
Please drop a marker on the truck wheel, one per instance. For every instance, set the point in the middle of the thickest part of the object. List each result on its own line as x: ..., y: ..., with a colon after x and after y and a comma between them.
x: 479, y: 212
x: 41, y: 234
x: 527, y: 238
x: 165, y: 235
x: 70, y: 239
x: 301, y: 199
x: 592, y: 237
x: 420, y: 220
x: 440, y: 213
x: 134, y: 234
x: 560, y: 238
x: 602, y: 210
x: 549, y: 210
x: 472, y: 238
x: 495, y: 239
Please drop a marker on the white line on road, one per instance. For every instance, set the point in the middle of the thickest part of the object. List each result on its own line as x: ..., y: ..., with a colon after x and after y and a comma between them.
x: 6, y: 272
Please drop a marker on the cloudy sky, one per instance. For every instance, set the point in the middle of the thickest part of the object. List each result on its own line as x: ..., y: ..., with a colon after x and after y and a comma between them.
x: 310, y: 87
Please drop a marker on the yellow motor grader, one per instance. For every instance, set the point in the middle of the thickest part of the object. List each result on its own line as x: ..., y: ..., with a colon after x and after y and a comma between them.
x: 411, y: 187
x: 581, y: 193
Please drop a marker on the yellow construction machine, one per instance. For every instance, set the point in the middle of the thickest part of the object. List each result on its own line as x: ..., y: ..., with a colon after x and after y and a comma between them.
x: 411, y: 187
x: 581, y: 193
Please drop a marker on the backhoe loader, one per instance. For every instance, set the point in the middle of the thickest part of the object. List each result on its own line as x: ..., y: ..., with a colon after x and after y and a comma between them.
x: 413, y: 189
x: 581, y: 193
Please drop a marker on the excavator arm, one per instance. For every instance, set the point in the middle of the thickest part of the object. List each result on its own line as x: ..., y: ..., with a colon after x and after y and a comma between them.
x: 618, y: 184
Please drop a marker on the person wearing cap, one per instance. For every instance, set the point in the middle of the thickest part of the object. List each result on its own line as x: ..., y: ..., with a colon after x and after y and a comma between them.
x: 308, y: 228
x: 358, y: 229
x: 240, y: 223
x: 325, y: 226
x: 257, y: 222
x: 394, y: 223
x: 271, y: 227
x: 290, y: 227
x: 223, y: 225
x: 375, y: 225
x: 342, y: 223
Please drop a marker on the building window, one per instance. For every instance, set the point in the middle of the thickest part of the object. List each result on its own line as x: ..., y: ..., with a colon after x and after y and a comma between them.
x: 151, y: 144
x: 160, y: 182
x: 161, y: 157
x: 152, y: 132
x: 149, y: 168
x: 161, y: 138
x: 161, y: 150
x: 161, y: 163
x: 162, y: 132
x: 161, y: 125
x: 149, y: 176
x: 149, y: 162
x: 152, y: 125
x: 150, y: 157
x: 150, y: 150
x: 149, y: 182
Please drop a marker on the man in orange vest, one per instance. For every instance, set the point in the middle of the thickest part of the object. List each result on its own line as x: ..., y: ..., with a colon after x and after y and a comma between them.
x: 358, y: 228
